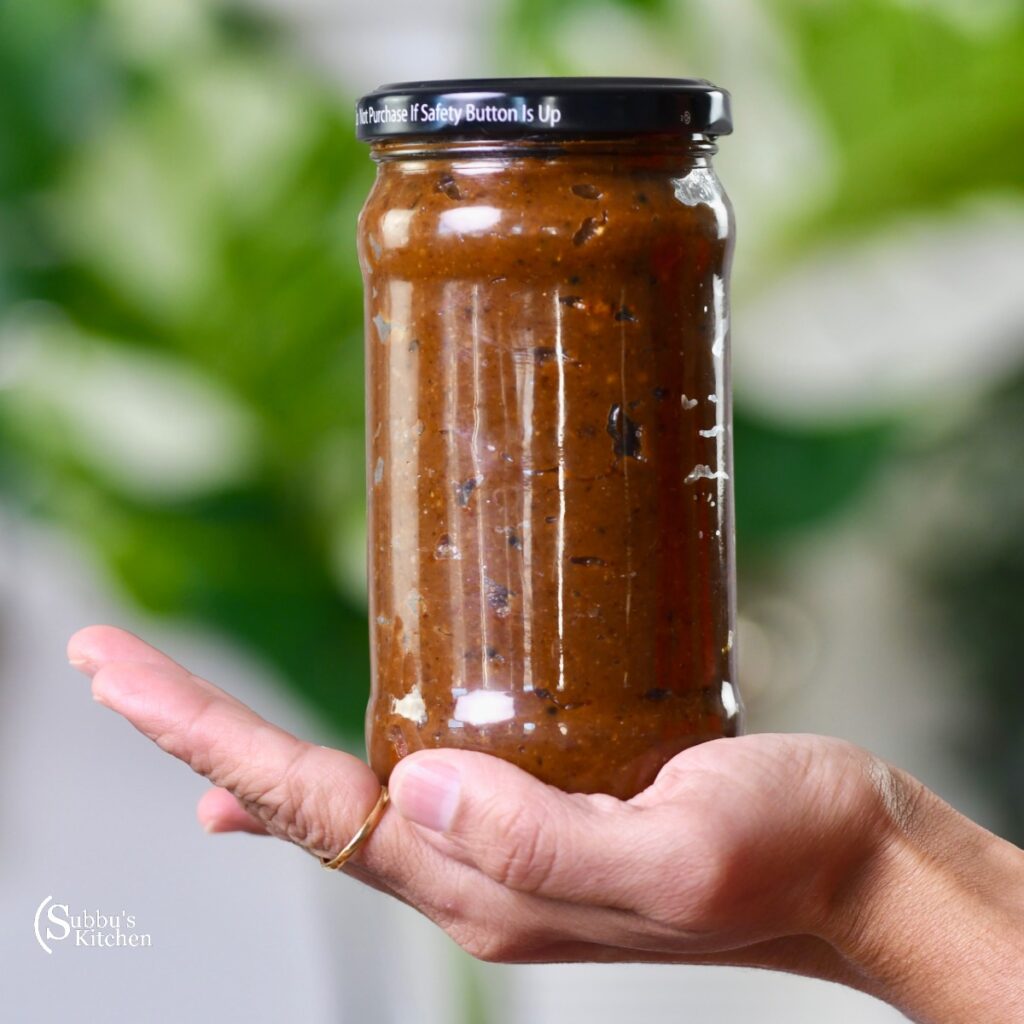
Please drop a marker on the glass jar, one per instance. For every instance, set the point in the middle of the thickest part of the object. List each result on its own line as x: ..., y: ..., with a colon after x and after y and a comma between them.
x: 551, y: 571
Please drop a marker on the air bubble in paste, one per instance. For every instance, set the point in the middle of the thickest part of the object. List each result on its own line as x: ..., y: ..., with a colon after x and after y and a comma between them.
x: 702, y: 472
x: 411, y: 706
x: 383, y: 327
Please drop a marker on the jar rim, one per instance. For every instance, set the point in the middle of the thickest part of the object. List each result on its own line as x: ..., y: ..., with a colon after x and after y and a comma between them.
x: 532, y: 107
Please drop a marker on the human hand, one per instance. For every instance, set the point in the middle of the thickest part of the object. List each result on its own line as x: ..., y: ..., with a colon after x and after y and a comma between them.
x: 799, y: 853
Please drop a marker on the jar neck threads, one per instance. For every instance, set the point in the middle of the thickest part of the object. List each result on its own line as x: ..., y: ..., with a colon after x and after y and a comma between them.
x: 689, y: 147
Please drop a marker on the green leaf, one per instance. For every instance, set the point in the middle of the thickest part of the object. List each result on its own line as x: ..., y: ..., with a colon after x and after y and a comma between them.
x: 789, y: 480
x: 530, y: 40
x: 921, y: 111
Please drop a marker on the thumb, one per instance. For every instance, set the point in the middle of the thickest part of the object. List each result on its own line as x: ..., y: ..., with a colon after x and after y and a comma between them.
x: 530, y: 836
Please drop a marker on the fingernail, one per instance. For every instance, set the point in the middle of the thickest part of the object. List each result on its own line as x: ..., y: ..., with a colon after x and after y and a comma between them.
x: 428, y: 794
x: 85, y: 665
x: 210, y: 826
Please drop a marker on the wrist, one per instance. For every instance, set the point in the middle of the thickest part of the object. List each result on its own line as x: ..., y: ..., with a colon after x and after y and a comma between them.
x: 932, y: 919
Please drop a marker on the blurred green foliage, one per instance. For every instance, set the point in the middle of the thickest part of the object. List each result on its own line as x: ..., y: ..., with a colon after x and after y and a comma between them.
x: 198, y: 201
x: 790, y: 478
x: 531, y: 31
x: 178, y: 196
x: 977, y: 572
x: 922, y: 111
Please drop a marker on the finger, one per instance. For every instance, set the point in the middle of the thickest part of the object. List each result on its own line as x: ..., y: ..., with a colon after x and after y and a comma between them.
x: 535, y: 838
x: 160, y: 698
x: 94, y: 646
x: 313, y: 796
x: 219, y: 811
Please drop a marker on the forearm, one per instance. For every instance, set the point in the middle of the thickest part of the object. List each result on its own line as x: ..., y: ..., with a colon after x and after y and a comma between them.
x: 934, y: 922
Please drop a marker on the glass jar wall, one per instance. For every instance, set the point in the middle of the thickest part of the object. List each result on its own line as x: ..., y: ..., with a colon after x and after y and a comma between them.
x: 549, y: 454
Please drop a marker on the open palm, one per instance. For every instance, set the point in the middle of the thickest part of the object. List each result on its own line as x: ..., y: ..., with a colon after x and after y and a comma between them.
x: 742, y: 851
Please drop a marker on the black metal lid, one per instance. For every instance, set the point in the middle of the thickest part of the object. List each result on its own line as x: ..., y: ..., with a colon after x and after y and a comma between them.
x: 519, y: 107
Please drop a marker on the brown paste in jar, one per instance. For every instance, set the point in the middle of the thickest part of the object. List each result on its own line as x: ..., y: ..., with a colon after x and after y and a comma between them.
x: 550, y: 522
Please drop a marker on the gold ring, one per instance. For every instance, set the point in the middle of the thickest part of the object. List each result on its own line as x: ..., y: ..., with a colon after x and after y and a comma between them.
x: 361, y: 836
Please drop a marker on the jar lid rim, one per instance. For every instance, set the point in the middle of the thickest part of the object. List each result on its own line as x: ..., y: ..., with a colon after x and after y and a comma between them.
x: 531, y: 107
